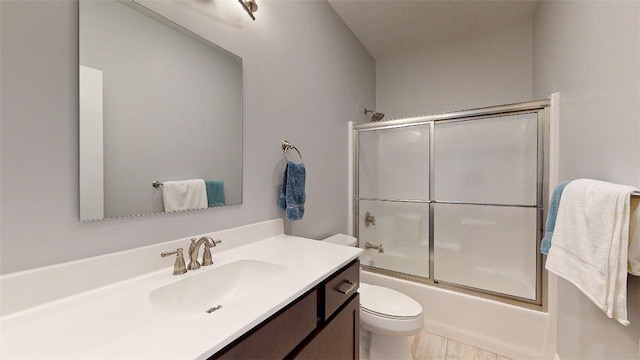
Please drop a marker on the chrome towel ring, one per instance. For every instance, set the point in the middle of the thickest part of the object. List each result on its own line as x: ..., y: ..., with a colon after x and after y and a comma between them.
x: 286, y: 146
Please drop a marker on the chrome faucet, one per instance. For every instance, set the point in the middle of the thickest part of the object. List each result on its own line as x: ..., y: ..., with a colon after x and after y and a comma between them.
x: 369, y: 245
x: 178, y: 266
x: 194, y: 248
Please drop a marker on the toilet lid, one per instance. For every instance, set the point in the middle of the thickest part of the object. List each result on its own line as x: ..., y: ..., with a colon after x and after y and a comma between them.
x: 387, y: 302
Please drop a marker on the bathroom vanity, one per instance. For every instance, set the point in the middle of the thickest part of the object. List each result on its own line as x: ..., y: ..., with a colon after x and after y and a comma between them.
x: 322, y: 324
x: 272, y: 295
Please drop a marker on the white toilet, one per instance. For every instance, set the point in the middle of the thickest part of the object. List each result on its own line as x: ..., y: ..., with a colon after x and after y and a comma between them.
x: 387, y: 317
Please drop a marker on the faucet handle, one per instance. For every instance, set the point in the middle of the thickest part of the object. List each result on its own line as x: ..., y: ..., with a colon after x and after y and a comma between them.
x: 178, y: 267
x: 167, y: 253
x: 206, y: 255
x: 193, y: 255
x: 369, y: 219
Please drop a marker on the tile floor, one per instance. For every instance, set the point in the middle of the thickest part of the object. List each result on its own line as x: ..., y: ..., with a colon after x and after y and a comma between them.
x: 428, y: 346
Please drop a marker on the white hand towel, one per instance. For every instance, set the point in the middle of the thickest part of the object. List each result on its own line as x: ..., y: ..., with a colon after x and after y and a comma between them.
x: 184, y: 195
x: 590, y: 243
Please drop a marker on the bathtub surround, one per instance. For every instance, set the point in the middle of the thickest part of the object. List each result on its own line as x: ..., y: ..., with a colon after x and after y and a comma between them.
x: 486, y: 324
x: 299, y: 56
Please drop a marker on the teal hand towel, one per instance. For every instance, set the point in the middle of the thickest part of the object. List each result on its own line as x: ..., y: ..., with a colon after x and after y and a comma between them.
x: 551, y: 217
x: 215, y: 192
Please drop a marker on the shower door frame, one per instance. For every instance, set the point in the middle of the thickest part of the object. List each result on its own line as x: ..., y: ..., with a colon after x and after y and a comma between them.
x: 539, y: 107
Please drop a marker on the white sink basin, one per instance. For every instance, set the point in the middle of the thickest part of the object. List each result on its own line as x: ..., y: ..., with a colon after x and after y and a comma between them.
x: 193, y: 295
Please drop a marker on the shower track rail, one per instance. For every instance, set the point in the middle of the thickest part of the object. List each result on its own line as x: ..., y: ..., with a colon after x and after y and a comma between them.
x: 539, y: 107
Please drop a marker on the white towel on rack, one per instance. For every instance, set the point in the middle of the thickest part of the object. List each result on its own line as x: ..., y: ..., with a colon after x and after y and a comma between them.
x: 184, y: 195
x: 590, y: 243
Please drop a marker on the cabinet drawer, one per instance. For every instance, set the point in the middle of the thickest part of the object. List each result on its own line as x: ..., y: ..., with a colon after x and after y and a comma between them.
x: 278, y: 336
x: 341, y: 288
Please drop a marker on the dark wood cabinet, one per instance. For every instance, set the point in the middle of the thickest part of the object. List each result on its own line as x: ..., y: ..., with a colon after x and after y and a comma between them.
x: 340, y: 287
x: 275, y: 337
x: 324, y: 323
x: 339, y: 339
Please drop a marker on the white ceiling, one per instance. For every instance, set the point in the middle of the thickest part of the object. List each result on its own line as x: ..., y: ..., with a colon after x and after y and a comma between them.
x: 389, y: 26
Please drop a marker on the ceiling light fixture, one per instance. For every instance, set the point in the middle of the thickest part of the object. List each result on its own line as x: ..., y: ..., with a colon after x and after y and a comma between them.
x: 250, y: 6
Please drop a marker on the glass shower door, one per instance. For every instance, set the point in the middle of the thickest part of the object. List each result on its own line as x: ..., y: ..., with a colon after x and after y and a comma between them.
x: 455, y: 200
x: 392, y: 198
x: 485, y: 204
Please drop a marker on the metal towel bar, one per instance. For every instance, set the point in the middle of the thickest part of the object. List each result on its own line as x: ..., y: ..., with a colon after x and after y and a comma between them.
x: 286, y: 146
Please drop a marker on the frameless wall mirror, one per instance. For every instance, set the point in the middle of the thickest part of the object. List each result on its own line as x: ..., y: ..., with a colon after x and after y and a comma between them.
x: 157, y: 103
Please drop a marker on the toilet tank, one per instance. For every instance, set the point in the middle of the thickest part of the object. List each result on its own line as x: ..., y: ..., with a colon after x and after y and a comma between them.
x: 342, y: 239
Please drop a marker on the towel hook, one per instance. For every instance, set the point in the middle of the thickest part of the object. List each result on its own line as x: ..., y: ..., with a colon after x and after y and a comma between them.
x: 286, y: 146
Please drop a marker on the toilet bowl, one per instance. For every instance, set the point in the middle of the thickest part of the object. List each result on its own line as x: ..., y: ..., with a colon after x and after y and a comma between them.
x: 387, y: 317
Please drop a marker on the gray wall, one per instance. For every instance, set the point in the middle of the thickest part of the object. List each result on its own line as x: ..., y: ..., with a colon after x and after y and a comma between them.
x: 305, y: 76
x: 172, y: 107
x: 460, y: 73
x: 589, y: 51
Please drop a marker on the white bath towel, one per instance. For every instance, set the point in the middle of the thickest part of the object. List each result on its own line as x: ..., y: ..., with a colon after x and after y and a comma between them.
x: 590, y: 243
x: 184, y: 195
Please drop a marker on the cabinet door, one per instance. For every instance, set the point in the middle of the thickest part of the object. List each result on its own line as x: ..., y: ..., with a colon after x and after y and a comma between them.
x: 276, y: 337
x: 340, y: 339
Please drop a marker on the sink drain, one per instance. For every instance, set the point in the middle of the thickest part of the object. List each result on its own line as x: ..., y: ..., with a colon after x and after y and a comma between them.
x: 214, y: 309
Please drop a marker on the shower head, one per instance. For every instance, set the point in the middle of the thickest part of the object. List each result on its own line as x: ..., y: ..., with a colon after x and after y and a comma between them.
x: 375, y: 116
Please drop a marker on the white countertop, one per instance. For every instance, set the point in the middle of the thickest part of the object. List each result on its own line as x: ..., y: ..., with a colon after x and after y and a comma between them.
x: 119, y: 320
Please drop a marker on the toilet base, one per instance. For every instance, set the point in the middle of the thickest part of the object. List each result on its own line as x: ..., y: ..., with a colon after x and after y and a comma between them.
x: 384, y: 347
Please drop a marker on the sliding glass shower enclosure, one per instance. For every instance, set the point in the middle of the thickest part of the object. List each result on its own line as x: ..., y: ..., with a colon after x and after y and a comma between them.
x: 455, y: 199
